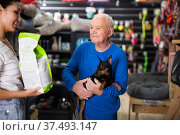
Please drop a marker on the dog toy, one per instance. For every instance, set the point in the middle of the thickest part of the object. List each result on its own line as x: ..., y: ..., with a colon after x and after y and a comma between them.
x: 145, y: 12
x: 55, y: 44
x: 57, y: 16
x: 145, y: 61
x: 115, y: 24
x: 90, y: 12
x: 74, y: 15
x: 140, y: 68
x: 156, y: 28
x: 128, y: 31
x: 134, y: 38
x: 147, y: 26
x: 101, y: 10
x: 66, y: 17
x: 143, y: 35
x: 120, y: 27
x: 130, y: 53
x: 121, y: 36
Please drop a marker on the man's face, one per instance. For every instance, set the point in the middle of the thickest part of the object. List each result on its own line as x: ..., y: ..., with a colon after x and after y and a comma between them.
x: 99, y: 30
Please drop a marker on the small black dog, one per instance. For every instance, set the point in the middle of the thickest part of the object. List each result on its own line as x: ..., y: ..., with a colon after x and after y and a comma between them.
x: 103, y: 75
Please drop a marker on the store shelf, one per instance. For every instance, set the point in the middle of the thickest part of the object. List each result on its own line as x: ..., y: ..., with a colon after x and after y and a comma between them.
x: 149, y: 1
x: 176, y: 41
x: 54, y: 114
x: 57, y: 51
x: 53, y: 111
x: 59, y: 83
x: 63, y: 33
x: 58, y: 66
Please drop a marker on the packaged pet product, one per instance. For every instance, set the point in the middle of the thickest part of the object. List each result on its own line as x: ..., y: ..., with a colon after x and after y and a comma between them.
x: 79, y: 24
x: 65, y: 46
x: 34, y: 64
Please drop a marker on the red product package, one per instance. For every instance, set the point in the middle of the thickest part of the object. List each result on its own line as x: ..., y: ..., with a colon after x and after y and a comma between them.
x: 73, y: 0
x: 27, y: 2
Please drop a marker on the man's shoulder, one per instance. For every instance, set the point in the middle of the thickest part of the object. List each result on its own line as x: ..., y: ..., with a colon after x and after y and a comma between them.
x: 85, y: 45
x: 117, y: 48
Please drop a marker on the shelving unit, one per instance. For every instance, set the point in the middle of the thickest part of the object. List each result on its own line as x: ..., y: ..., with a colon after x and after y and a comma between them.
x: 126, y: 10
x: 56, y: 113
x: 173, y: 112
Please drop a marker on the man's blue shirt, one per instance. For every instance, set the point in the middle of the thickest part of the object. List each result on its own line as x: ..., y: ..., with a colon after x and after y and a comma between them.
x: 84, y: 61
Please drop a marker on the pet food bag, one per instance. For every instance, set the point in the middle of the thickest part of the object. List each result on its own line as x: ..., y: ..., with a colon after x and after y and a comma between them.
x: 34, y: 64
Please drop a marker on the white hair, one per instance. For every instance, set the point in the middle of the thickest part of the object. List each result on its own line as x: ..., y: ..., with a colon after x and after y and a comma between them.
x: 108, y: 18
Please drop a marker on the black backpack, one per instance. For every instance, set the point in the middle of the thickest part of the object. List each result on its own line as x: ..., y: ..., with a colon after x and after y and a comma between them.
x: 175, y: 72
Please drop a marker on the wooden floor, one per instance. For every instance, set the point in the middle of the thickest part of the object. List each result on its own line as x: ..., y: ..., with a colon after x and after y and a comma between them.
x: 124, y: 110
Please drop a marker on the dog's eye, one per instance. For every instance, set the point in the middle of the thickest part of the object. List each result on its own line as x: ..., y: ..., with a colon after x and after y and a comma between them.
x: 102, y: 67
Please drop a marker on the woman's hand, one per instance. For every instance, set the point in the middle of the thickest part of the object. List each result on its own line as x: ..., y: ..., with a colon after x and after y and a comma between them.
x: 94, y: 87
x: 6, y: 94
x: 82, y: 92
x: 32, y: 92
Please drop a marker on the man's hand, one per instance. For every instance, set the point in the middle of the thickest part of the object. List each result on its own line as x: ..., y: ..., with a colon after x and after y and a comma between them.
x: 82, y: 92
x: 94, y: 88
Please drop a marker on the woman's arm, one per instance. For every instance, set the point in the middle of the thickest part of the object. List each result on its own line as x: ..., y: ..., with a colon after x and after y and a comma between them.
x: 6, y: 94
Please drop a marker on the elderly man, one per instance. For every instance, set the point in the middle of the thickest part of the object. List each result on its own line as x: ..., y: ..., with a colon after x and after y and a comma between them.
x: 100, y: 105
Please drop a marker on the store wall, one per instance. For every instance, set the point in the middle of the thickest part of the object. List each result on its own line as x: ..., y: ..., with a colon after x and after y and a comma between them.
x: 125, y: 10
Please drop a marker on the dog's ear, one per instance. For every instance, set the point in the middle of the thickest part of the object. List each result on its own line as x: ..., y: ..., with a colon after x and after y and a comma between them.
x: 99, y: 59
x: 110, y: 60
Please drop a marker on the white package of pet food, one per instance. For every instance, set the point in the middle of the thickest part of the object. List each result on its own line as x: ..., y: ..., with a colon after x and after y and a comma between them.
x: 34, y: 64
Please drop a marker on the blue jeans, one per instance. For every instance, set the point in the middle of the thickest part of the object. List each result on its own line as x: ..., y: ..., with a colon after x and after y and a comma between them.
x: 12, y: 109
